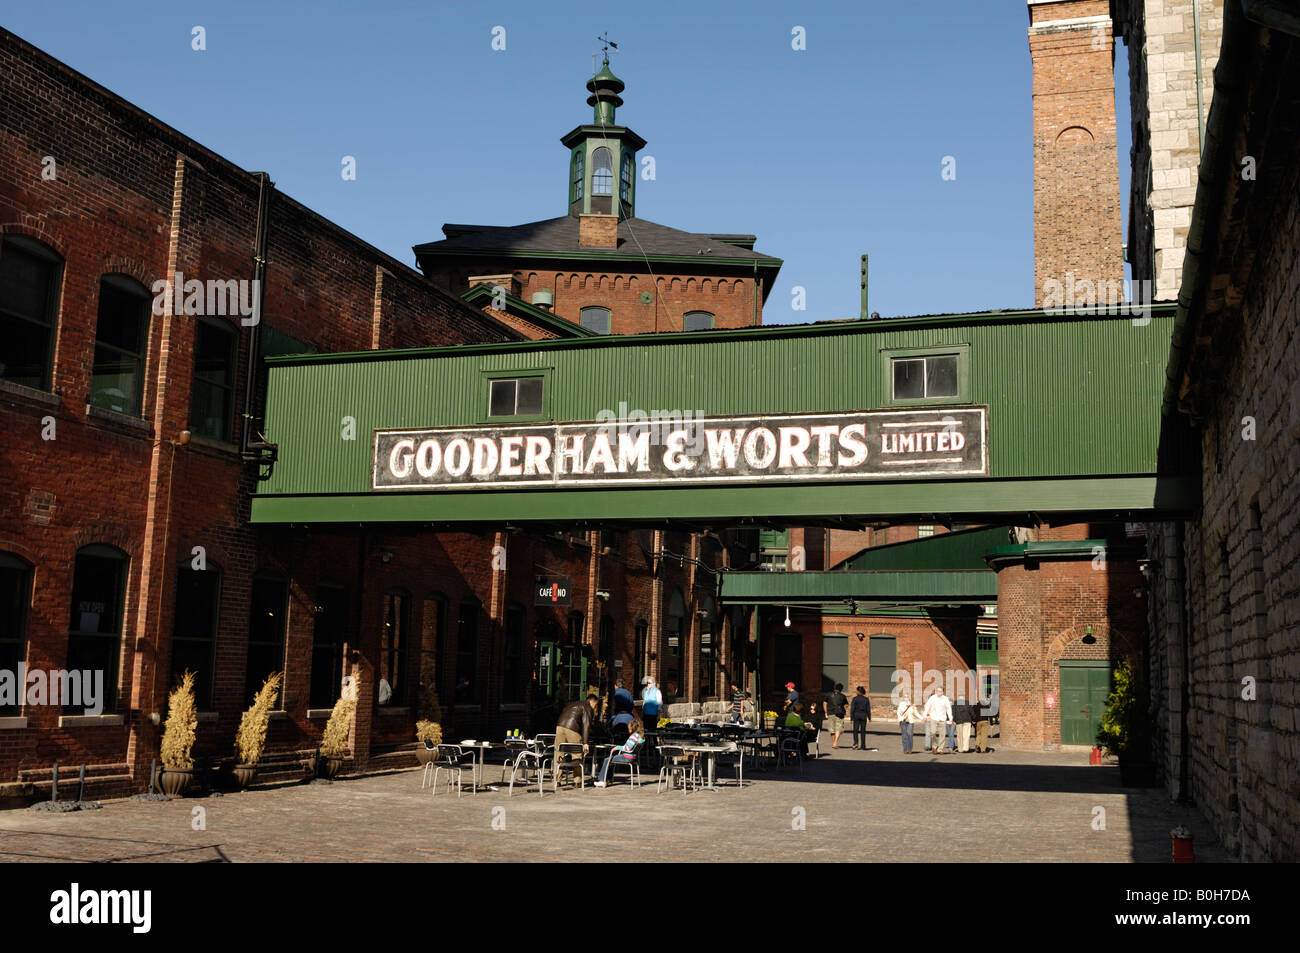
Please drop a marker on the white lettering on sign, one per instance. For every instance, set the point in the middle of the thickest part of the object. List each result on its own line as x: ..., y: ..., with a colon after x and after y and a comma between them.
x: 866, y: 445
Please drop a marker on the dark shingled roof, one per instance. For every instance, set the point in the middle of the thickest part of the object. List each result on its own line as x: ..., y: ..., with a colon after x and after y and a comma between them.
x: 561, y: 234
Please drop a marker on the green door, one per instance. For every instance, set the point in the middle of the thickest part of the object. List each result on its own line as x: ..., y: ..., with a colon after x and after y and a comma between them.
x: 1084, y: 687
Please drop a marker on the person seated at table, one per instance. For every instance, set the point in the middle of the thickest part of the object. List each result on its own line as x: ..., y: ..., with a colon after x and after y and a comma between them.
x: 794, y: 720
x: 623, y: 755
x: 621, y: 726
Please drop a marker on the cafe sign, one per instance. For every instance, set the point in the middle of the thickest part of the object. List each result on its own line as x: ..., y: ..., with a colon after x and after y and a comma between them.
x: 552, y: 592
x: 867, y: 445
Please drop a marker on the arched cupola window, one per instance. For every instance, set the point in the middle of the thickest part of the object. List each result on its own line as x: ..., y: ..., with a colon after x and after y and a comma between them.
x: 602, y: 172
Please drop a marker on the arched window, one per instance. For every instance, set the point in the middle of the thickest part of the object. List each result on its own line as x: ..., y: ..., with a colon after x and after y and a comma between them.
x: 602, y: 172
x: 697, y: 321
x: 596, y: 319
x: 268, y: 618
x: 641, y: 659
x: 121, y: 332
x: 15, y: 597
x: 625, y: 179
x: 95, y: 623
x: 674, y: 639
x: 575, y: 179
x: 194, y: 630
x: 467, y: 652
x: 29, y: 295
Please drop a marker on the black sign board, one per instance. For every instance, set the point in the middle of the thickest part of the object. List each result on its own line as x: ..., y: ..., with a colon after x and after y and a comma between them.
x: 552, y: 591
x: 866, y: 445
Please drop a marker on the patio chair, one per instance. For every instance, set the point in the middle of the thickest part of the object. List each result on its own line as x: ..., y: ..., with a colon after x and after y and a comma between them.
x: 513, y: 747
x: 633, y: 766
x: 533, y: 759
x: 564, y: 761
x: 790, y: 746
x: 430, y: 766
x: 455, y: 760
x: 675, y: 762
x: 733, y: 753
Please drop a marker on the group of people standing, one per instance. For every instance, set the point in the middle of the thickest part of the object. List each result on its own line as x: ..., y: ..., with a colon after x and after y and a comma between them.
x: 831, y: 714
x: 944, y: 722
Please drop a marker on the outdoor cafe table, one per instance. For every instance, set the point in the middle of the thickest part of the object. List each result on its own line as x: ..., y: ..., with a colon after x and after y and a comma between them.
x: 711, y: 752
x: 481, y: 748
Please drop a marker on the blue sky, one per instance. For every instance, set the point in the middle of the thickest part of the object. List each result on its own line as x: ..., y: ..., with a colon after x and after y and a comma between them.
x: 824, y: 153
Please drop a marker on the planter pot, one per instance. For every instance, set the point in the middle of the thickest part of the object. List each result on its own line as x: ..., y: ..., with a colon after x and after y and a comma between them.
x: 1183, y: 853
x: 330, y: 767
x: 175, y: 781
x: 244, y: 774
x: 424, y: 755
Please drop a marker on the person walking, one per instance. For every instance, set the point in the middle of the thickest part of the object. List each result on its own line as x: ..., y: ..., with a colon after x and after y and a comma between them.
x: 908, y: 716
x: 938, y: 715
x: 981, y: 728
x: 791, y: 698
x: 836, y: 706
x: 963, y: 715
x: 860, y: 712
x: 736, y: 712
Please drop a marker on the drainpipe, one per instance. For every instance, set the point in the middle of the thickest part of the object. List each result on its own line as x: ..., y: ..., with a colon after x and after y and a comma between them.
x: 1200, y: 106
x: 253, y: 448
x: 1184, y: 689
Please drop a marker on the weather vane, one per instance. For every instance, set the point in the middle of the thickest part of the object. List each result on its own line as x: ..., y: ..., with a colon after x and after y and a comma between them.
x: 606, y: 44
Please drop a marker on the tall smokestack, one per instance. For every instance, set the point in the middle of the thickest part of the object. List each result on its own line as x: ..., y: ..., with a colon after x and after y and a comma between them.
x: 1078, y: 230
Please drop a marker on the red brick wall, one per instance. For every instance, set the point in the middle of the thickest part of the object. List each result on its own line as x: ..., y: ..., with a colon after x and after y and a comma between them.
x: 731, y: 299
x: 1077, y: 225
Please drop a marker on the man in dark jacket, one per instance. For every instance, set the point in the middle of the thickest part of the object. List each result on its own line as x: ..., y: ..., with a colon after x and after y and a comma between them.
x: 963, y: 715
x: 574, y: 726
x: 860, y: 711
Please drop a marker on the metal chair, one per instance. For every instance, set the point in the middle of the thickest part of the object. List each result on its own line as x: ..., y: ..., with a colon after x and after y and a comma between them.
x: 633, y: 766
x: 790, y: 745
x: 430, y: 766
x: 452, y: 759
x: 675, y: 762
x: 560, y: 763
x: 513, y: 747
x: 734, y: 751
x: 535, y: 759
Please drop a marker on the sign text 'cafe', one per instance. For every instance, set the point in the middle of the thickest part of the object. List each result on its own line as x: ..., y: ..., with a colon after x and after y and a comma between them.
x: 864, y: 445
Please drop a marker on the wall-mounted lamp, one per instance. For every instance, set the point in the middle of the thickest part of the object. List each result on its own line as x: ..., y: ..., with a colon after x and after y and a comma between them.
x: 1088, y: 638
x: 861, y: 635
x: 602, y: 594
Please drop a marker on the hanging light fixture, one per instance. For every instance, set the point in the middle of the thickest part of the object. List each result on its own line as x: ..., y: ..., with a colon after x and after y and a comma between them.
x: 787, y: 617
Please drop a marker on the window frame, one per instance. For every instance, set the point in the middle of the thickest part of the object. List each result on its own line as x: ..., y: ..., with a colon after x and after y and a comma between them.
x: 252, y: 682
x: 53, y: 295
x: 227, y: 433
x: 609, y: 318
x: 490, y: 377
x: 12, y: 562
x: 709, y: 314
x: 204, y: 693
x: 626, y: 175
x: 873, y: 666
x: 104, y: 552
x: 890, y: 355
x: 577, y: 174
x: 124, y: 285
x: 595, y: 170
x: 396, y: 652
x: 467, y: 650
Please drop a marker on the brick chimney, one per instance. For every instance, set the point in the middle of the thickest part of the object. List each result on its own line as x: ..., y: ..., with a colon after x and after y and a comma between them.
x: 1077, y: 223
x: 598, y: 231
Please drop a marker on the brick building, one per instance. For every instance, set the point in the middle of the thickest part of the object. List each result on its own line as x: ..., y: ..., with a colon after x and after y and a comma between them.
x: 599, y: 265
x: 1223, y: 647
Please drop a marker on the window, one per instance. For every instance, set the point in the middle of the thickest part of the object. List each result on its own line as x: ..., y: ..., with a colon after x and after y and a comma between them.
x: 328, y: 635
x: 194, y: 630
x: 642, y: 656
x: 435, y: 648
x: 674, y: 632
x: 697, y: 321
x: 625, y: 179
x: 575, y: 189
x: 467, y: 653
x: 835, y: 660
x: 513, y: 687
x: 15, y: 597
x: 596, y: 319
x: 602, y: 172
x: 117, y: 379
x: 883, y: 659
x: 575, y: 628
x: 923, y: 531
x: 788, y: 664
x: 986, y: 643
x: 515, y: 397
x: 95, y: 626
x: 393, y: 642
x: 267, y: 625
x: 918, y: 378
x: 212, y: 396
x: 29, y: 280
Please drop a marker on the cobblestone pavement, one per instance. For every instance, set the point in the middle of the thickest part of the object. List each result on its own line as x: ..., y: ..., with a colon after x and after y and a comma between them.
x: 854, y: 806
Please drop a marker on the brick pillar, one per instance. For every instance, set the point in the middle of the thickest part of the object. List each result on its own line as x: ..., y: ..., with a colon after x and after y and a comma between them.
x: 1077, y: 226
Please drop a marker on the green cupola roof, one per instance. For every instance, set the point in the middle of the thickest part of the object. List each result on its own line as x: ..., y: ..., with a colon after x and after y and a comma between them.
x: 605, y: 88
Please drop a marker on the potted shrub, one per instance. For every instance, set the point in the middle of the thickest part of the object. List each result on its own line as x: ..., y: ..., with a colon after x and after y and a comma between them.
x: 178, y: 738
x: 429, y: 726
x: 250, y: 739
x: 1124, y: 730
x: 334, y: 742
